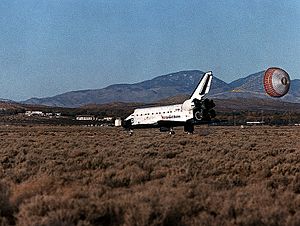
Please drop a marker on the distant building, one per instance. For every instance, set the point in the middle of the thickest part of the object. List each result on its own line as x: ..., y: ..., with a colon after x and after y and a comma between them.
x: 85, y: 118
x: 118, y: 122
x: 105, y: 119
x: 108, y: 119
x: 34, y: 113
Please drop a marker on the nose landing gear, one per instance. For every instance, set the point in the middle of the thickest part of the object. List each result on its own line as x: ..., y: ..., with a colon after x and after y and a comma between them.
x: 167, y: 129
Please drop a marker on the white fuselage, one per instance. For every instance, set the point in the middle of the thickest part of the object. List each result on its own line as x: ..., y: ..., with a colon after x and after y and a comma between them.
x: 151, y: 115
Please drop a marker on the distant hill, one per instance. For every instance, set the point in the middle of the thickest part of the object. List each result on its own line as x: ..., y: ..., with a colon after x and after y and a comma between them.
x: 149, y: 91
x: 251, y: 86
x: 253, y: 82
x: 165, y: 86
x: 223, y: 106
x: 6, y: 101
x: 4, y: 105
x: 294, y: 92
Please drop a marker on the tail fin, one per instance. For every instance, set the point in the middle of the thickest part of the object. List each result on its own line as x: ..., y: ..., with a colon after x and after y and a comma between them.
x: 203, y: 87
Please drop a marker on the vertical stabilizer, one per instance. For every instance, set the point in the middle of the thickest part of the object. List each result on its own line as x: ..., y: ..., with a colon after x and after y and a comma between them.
x: 203, y: 87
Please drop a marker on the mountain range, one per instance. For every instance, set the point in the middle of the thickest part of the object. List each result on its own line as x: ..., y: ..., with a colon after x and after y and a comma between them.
x: 166, y: 86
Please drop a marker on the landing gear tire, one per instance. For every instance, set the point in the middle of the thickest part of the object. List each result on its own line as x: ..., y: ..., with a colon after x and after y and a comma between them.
x: 189, y: 128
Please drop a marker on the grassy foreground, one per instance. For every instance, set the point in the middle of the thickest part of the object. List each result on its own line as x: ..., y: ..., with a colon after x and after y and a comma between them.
x: 103, y: 176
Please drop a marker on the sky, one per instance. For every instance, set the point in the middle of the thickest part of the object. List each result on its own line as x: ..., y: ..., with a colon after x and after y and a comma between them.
x: 48, y: 47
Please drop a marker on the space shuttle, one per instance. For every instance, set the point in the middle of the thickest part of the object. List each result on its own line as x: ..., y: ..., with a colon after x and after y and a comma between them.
x: 195, y: 110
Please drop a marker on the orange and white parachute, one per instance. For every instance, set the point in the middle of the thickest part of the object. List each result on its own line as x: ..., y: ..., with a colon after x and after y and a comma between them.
x: 276, y: 82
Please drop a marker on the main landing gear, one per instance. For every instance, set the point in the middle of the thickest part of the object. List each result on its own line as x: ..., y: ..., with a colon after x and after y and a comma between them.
x: 171, y: 132
x: 189, y: 128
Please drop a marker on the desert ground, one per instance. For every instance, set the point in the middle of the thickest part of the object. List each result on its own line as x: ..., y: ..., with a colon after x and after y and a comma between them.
x: 60, y: 175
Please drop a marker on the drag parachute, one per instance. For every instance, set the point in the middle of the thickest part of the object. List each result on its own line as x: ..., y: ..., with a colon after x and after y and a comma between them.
x: 276, y: 82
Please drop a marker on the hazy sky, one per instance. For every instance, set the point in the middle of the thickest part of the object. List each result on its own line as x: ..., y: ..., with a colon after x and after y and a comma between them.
x: 49, y: 47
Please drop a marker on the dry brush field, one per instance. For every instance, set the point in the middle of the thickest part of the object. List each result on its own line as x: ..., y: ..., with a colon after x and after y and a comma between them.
x: 103, y: 176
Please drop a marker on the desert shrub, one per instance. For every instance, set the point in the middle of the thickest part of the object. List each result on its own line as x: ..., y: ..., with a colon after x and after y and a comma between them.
x: 48, y: 210
x: 6, y: 209
x: 170, y: 155
x: 296, y: 184
x: 277, y: 181
x: 265, y: 172
x: 102, y: 176
x: 128, y: 176
x: 28, y: 189
x: 293, y: 220
x: 183, y: 142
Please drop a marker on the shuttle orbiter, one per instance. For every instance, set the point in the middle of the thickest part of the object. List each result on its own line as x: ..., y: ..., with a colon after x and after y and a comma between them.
x: 193, y: 111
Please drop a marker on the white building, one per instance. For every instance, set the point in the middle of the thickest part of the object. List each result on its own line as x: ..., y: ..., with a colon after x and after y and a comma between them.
x: 105, y: 119
x: 85, y: 118
x: 34, y: 113
x: 118, y: 122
